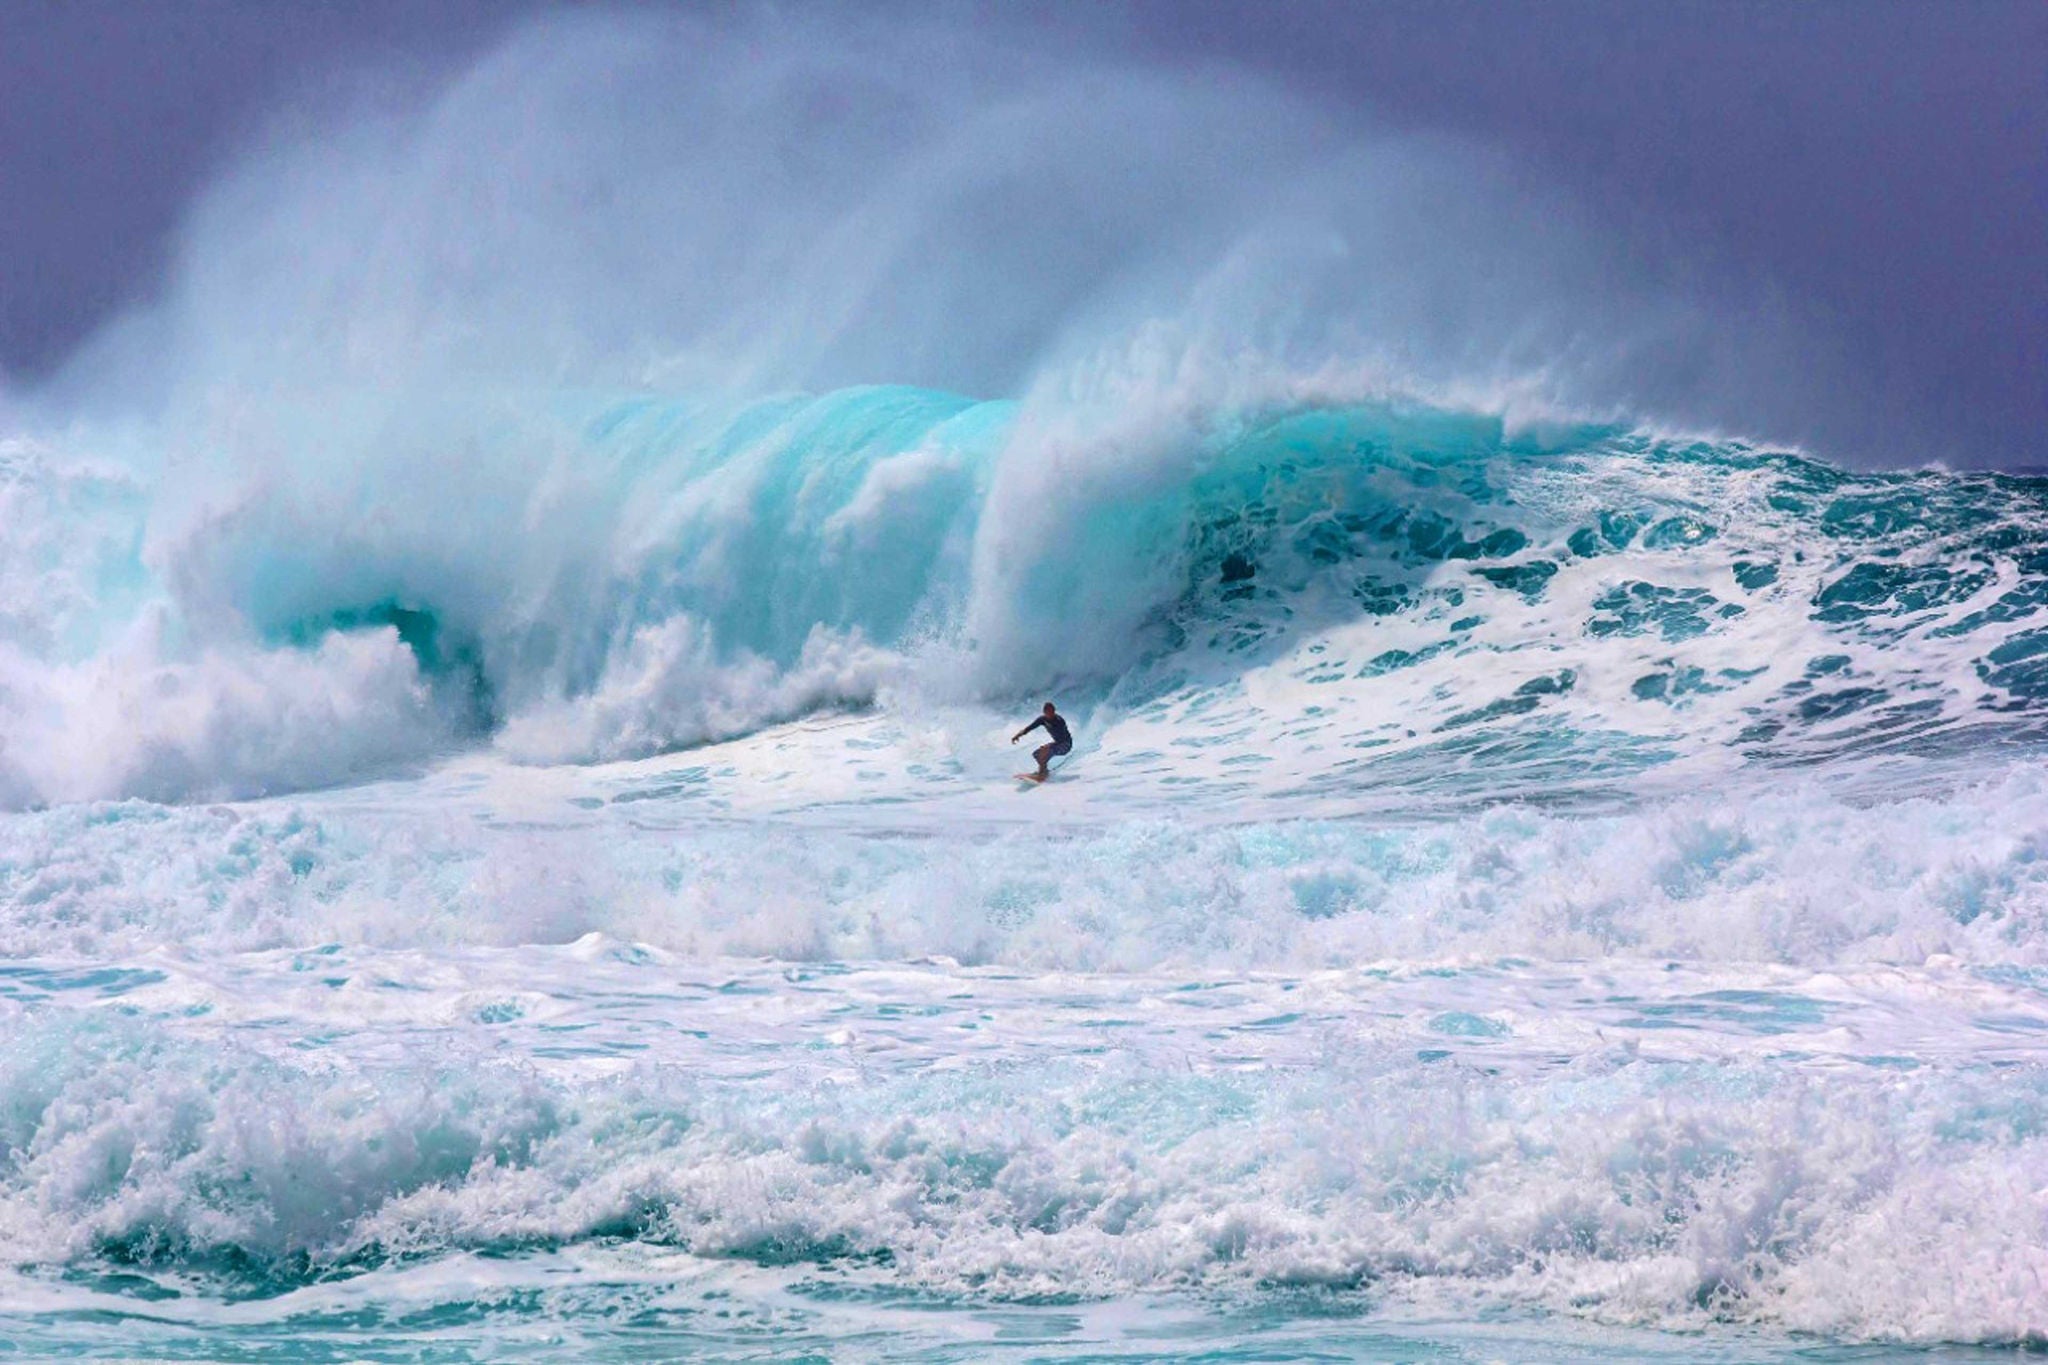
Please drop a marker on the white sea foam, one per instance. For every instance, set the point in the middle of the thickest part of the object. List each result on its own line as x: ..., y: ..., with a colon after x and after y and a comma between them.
x: 1500, y: 1136
x: 653, y: 852
x: 669, y: 688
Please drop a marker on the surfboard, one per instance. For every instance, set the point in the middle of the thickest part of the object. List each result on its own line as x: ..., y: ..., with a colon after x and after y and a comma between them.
x: 1032, y: 778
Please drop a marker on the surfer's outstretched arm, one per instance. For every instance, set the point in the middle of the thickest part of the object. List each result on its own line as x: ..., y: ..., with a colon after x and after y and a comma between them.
x: 1056, y: 729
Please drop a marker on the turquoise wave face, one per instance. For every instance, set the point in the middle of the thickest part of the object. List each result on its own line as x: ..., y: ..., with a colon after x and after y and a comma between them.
x: 852, y: 512
x: 1612, y: 596
x: 1429, y: 598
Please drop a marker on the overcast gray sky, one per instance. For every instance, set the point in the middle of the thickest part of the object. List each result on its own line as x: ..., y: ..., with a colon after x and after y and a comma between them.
x: 1883, y: 166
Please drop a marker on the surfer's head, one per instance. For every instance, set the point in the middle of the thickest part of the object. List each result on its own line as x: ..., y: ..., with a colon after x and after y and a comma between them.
x: 1048, y: 708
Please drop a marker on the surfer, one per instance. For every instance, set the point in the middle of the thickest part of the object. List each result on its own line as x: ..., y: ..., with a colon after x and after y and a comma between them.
x: 1062, y: 741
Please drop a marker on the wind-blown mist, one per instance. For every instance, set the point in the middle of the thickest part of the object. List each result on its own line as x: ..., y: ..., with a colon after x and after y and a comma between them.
x: 488, y: 416
x: 630, y: 201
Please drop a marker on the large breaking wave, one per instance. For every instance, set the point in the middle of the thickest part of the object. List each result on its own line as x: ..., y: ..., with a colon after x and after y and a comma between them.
x: 1446, y: 589
x: 779, y: 375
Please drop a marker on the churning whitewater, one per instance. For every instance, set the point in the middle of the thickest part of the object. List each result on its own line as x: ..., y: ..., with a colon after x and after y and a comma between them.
x: 508, y: 837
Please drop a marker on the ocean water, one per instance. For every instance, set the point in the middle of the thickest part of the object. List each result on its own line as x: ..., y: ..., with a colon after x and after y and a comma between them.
x: 509, y: 844
x: 1572, y: 900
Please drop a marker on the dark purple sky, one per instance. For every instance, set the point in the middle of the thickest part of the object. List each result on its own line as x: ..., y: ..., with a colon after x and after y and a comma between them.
x: 1883, y: 166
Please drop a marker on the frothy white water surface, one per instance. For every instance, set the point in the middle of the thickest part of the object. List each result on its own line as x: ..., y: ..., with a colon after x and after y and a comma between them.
x: 1853, y: 1153
x: 1770, y: 1058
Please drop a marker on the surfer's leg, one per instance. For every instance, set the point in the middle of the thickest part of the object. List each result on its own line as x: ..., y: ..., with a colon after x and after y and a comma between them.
x: 1042, y: 754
